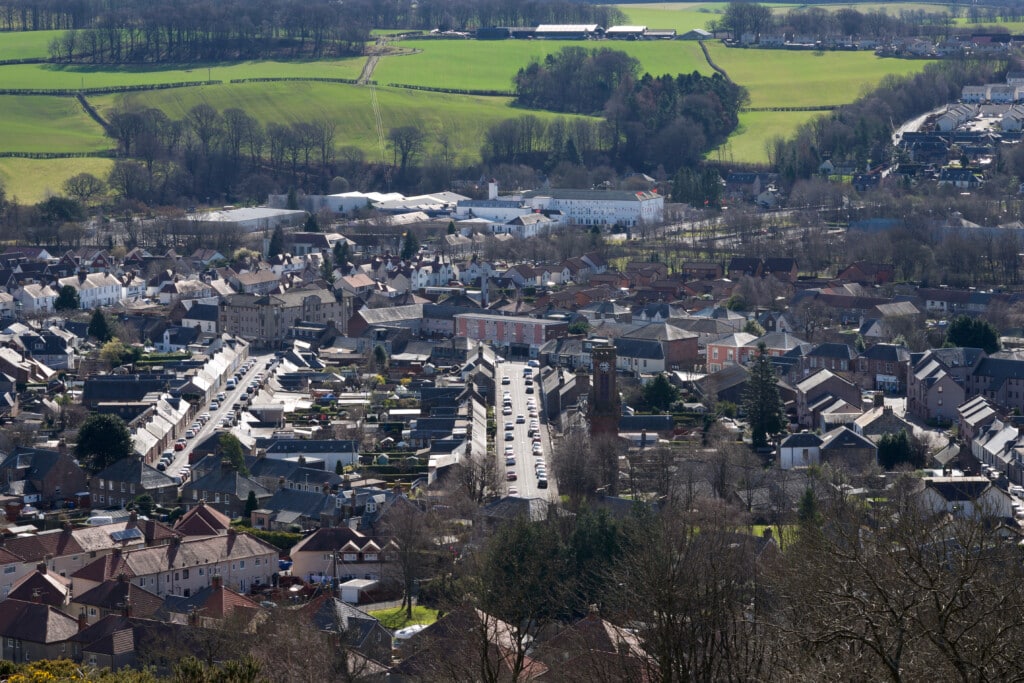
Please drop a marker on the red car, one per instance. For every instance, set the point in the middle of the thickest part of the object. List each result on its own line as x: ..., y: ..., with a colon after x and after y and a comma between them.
x: 179, y: 445
x: 510, y: 476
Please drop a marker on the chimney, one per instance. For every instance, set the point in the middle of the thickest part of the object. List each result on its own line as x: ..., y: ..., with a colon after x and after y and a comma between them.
x: 127, y: 609
x: 83, y: 623
x: 217, y: 582
x: 41, y: 567
x: 133, y: 518
x: 643, y: 438
x: 81, y: 276
x: 117, y: 552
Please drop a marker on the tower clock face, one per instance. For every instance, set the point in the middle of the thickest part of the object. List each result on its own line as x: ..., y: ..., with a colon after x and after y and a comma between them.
x: 603, y: 367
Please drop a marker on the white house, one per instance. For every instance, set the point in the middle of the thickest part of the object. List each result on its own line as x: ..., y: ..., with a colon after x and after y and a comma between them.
x: 94, y: 289
x: 36, y: 298
x: 966, y: 497
x: 800, y: 450
x: 974, y: 94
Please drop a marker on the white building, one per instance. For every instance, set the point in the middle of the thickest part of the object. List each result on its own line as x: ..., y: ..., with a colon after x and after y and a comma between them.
x: 94, y: 289
x: 974, y: 94
x: 251, y: 220
x: 601, y: 207
x: 36, y: 298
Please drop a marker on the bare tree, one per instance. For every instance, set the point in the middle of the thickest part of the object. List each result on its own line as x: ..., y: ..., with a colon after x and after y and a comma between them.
x: 411, y: 530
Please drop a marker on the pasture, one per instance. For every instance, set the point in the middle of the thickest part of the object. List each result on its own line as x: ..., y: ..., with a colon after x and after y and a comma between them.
x: 26, y: 44
x: 787, y: 78
x: 63, y: 76
x: 756, y: 129
x: 464, y: 118
x: 33, y: 180
x: 491, y: 65
x: 48, y: 124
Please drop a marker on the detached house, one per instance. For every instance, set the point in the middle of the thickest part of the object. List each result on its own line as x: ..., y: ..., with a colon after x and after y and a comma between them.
x: 339, y: 552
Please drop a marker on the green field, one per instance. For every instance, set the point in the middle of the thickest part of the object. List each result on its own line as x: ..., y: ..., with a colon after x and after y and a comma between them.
x: 26, y: 44
x: 48, y: 124
x: 55, y: 76
x: 490, y: 65
x: 747, y: 144
x: 33, y: 180
x: 787, y: 78
x: 465, y: 118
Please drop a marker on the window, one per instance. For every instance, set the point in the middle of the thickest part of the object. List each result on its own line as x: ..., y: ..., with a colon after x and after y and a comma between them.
x: 103, y: 499
x: 349, y: 557
x: 10, y: 569
x: 241, y: 564
x: 202, y: 571
x: 370, y: 557
x: 131, y: 488
x: 92, y: 611
x: 184, y: 574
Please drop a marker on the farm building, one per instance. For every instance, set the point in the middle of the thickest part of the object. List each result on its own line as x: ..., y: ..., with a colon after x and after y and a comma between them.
x: 660, y: 34
x: 493, y: 33
x: 568, y: 31
x: 625, y: 32
x: 696, y: 34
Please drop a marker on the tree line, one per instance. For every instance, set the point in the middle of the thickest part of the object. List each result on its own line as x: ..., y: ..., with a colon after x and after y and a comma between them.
x: 754, y: 18
x: 197, y: 30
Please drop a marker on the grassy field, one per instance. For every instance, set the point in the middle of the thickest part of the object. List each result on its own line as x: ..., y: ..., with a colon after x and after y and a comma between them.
x: 786, y: 78
x: 395, y: 619
x: 26, y: 44
x: 55, y: 76
x: 465, y: 118
x: 48, y: 124
x: 490, y: 65
x: 33, y: 180
x: 747, y: 144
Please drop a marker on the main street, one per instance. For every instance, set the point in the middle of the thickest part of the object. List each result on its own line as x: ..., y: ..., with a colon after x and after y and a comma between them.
x: 257, y: 365
x: 522, y: 443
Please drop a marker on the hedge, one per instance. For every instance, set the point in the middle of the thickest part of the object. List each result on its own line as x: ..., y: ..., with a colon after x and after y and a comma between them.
x: 282, y: 540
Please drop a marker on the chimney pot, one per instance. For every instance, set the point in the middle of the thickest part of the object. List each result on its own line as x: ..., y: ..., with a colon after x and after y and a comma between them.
x: 83, y: 622
x: 217, y: 581
x: 41, y: 567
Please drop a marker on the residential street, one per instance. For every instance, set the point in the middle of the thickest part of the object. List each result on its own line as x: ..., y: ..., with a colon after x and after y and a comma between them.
x: 526, y: 476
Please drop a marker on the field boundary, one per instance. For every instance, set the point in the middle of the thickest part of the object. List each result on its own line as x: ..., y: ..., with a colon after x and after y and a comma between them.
x: 93, y: 114
x: 312, y: 79
x: 711, y: 62
x: 820, y: 107
x: 454, y: 91
x: 100, y: 154
x: 109, y: 90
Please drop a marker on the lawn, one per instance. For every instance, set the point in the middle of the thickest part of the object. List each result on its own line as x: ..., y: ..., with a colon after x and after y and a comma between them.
x: 55, y: 76
x: 756, y: 129
x: 465, y: 118
x: 33, y: 180
x: 786, y: 78
x: 26, y: 44
x: 394, y: 619
x: 491, y: 65
x: 48, y: 124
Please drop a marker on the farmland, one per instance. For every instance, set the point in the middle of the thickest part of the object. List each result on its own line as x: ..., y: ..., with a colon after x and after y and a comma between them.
x: 491, y: 65
x: 774, y: 78
x: 465, y: 117
x: 784, y: 78
x: 32, y: 180
x: 58, y: 76
x: 43, y: 124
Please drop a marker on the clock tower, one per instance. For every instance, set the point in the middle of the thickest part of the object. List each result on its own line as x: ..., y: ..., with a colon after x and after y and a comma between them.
x: 605, y: 406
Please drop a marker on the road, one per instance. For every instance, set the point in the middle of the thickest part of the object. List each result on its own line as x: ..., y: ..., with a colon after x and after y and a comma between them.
x: 233, y: 396
x: 522, y: 443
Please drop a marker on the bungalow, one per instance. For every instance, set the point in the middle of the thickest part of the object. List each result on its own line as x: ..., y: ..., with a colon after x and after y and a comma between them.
x: 800, y: 450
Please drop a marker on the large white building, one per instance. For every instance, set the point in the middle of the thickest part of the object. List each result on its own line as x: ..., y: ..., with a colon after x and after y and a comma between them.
x: 94, y: 289
x: 601, y: 207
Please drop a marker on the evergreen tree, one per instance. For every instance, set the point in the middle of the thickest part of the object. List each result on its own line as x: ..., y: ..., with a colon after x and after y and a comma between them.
x: 250, y: 504
x: 327, y: 270
x: 341, y: 253
x: 761, y: 400
x: 98, y: 327
x: 659, y: 393
x: 972, y: 332
x: 311, y: 223
x: 411, y: 246
x: 807, y: 509
x: 276, y: 246
x: 292, y: 203
x: 67, y: 299
x: 231, y: 450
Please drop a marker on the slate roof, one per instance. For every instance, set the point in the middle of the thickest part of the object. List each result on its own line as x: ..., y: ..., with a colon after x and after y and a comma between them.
x: 511, y: 507
x: 114, y: 594
x: 48, y: 588
x: 639, y: 348
x: 134, y: 470
x: 227, y: 481
x: 213, y: 601
x: 335, y: 616
x: 959, y: 489
x: 890, y: 353
x: 312, y: 446
x: 833, y: 350
x: 35, y: 622
x: 331, y: 539
x: 801, y: 440
x: 844, y: 437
